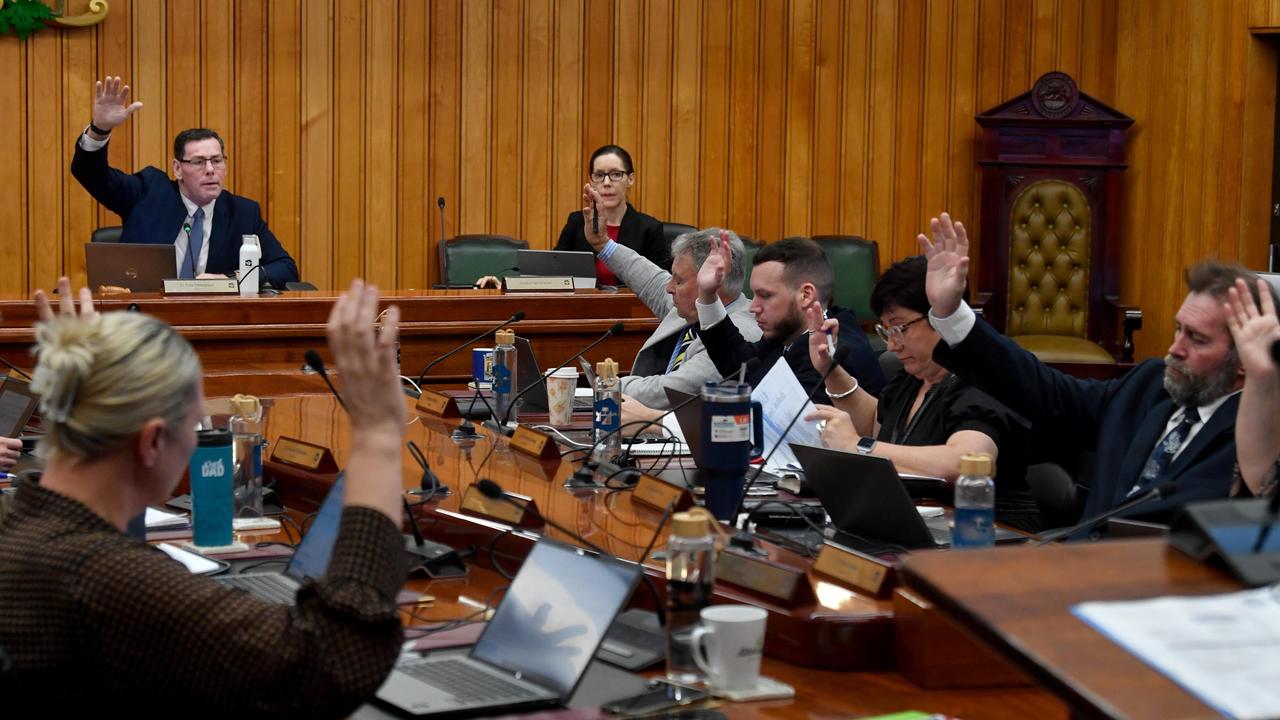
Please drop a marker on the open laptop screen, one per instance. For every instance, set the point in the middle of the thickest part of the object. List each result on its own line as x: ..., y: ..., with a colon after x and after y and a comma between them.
x: 17, y: 403
x: 548, y: 628
x: 311, y: 559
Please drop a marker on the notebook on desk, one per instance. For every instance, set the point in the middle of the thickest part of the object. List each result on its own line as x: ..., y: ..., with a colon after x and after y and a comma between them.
x: 536, y: 648
x: 310, y: 560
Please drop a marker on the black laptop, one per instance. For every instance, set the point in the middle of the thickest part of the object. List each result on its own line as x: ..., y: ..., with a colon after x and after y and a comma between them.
x: 865, y: 498
x: 141, y: 267
x: 581, y: 266
x: 17, y: 403
x: 310, y: 560
x: 534, y: 651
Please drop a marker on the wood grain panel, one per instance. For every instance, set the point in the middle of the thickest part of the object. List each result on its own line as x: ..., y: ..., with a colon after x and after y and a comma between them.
x: 347, y: 118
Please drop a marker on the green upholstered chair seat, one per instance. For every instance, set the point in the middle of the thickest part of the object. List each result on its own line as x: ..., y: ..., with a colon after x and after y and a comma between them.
x: 465, y: 258
x: 1064, y: 349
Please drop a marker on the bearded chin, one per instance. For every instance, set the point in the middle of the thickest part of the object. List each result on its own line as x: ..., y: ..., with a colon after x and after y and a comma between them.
x: 1197, y: 390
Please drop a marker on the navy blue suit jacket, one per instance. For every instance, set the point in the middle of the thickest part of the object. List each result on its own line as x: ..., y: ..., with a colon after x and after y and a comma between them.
x: 1120, y: 420
x: 728, y: 350
x: 153, y: 212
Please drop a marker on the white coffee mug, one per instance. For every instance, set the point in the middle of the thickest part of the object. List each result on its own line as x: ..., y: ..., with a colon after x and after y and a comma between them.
x: 732, y: 638
x: 560, y: 387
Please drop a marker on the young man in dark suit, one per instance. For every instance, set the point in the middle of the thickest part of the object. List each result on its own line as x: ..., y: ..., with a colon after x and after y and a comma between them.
x: 203, y: 221
x: 1165, y: 420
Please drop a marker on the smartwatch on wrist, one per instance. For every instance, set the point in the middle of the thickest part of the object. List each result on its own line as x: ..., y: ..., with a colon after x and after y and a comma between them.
x: 865, y: 445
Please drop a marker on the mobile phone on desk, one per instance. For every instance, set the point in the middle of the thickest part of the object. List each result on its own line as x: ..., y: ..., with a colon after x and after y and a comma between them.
x: 661, y: 696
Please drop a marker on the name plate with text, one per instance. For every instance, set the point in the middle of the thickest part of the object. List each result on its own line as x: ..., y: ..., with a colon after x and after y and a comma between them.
x: 534, y: 444
x: 789, y: 586
x: 855, y: 570
x: 437, y: 404
x: 658, y: 494
x: 547, y: 283
x: 205, y: 286
x: 304, y: 455
x: 525, y: 515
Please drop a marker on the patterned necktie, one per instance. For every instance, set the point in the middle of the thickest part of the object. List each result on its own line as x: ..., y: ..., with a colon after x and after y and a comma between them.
x: 1165, y: 451
x: 195, y: 239
x: 682, y: 349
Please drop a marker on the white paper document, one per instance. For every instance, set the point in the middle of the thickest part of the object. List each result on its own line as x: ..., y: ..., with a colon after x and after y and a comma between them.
x: 781, y: 396
x: 162, y: 519
x: 1224, y: 649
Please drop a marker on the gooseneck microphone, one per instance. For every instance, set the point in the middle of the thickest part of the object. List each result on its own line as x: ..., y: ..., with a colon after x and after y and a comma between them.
x: 516, y: 317
x: 186, y: 228
x: 316, y: 363
x: 440, y: 204
x: 1159, y: 492
x: 616, y: 329
x: 435, y: 559
x: 842, y: 351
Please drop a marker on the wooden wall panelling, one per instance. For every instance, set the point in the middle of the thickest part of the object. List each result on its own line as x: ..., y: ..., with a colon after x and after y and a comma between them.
x: 686, y: 94
x: 506, y: 161
x: 283, y: 113
x: 628, y: 69
x: 413, y: 195
x: 771, y: 194
x: 477, y: 78
x: 1257, y: 151
x: 568, y: 157
x: 78, y: 53
x: 114, y: 42
x: 444, y: 148
x: 316, y: 163
x: 828, y: 115
x: 234, y: 73
x: 382, y: 79
x: 598, y: 83
x: 537, y: 139
x: 910, y: 144
x: 15, y: 243
x: 350, y: 116
x: 940, y: 93
x: 713, y: 155
x: 854, y: 157
x: 798, y: 172
x: 744, y: 118
x: 655, y: 181
x: 882, y: 130
x: 45, y: 166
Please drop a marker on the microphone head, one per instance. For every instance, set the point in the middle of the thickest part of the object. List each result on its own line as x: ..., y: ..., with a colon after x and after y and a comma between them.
x: 1164, y: 490
x: 490, y: 489
x: 616, y: 329
x: 440, y: 202
x: 314, y: 361
x: 517, y: 316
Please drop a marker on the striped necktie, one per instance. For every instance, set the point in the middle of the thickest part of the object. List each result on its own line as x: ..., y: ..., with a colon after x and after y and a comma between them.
x: 682, y: 349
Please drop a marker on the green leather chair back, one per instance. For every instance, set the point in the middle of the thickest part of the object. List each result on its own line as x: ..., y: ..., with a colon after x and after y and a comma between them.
x: 108, y: 234
x: 857, y: 264
x: 751, y: 247
x: 466, y: 258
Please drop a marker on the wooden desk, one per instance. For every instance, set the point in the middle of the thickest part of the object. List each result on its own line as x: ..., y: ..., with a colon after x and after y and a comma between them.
x: 257, y: 345
x: 853, y: 629
x: 1019, y: 600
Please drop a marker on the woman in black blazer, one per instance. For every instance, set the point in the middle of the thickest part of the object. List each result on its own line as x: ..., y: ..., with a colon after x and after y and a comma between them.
x: 612, y: 176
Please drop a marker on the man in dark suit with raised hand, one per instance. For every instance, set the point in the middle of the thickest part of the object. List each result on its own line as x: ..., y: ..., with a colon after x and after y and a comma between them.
x: 203, y: 221
x: 1165, y: 420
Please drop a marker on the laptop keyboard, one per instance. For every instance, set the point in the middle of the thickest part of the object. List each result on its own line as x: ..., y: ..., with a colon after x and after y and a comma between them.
x: 468, y: 684
x: 270, y: 587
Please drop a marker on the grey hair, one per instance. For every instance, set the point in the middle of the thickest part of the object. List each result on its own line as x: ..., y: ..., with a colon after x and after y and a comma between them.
x: 698, y: 245
x: 100, y: 379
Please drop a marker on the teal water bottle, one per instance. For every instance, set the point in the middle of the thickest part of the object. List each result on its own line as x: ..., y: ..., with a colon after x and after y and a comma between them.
x: 212, y: 495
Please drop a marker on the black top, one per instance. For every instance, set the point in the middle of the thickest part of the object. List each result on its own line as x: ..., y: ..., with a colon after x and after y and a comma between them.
x: 728, y: 350
x: 949, y: 407
x: 638, y: 231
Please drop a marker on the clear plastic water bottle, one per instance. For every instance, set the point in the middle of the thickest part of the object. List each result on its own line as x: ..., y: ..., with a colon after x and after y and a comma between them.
x: 504, y: 375
x: 246, y: 437
x: 607, y: 410
x: 975, y: 518
x: 690, y: 577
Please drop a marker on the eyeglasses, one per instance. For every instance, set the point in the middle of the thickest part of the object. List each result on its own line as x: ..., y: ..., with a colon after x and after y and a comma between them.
x: 895, y: 332
x: 614, y: 175
x: 198, y: 163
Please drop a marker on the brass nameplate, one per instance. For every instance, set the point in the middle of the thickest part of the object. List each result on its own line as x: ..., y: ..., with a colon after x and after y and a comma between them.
x: 547, y: 283
x: 788, y: 585
x: 438, y: 404
x: 296, y: 452
x: 657, y: 493
x: 205, y: 286
x: 534, y: 443
x: 855, y: 570
x: 477, y: 503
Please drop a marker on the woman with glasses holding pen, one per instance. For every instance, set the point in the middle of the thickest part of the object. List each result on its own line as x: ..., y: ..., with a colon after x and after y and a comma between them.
x: 925, y: 418
x: 605, y: 205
